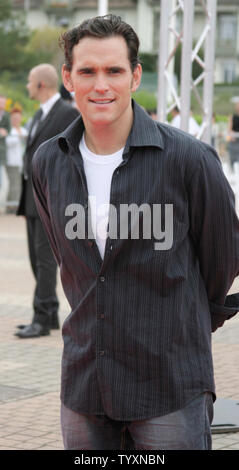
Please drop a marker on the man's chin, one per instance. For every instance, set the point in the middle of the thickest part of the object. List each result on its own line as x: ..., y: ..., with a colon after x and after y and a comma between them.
x: 101, y: 121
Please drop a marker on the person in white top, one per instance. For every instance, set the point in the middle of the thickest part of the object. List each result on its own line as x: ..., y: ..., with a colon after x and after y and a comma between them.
x: 193, y: 127
x: 15, y: 142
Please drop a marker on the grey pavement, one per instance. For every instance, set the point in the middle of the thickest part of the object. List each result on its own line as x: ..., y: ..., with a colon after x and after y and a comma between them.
x: 30, y: 369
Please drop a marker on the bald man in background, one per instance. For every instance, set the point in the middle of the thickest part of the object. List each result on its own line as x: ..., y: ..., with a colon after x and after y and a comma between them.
x: 51, y: 119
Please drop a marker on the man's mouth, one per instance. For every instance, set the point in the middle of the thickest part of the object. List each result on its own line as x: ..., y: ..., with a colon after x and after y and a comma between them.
x: 108, y: 101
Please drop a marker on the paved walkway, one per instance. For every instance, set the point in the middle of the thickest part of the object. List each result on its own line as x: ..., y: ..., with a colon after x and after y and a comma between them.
x: 30, y: 369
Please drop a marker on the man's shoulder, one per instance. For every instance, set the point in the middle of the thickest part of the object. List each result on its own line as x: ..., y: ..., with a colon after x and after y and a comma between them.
x: 186, y: 154
x: 47, y: 155
x: 66, y: 107
x: 183, y: 142
x: 48, y: 148
x: 54, y: 148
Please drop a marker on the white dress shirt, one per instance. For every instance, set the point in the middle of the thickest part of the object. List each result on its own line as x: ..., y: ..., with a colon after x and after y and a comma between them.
x: 46, y: 107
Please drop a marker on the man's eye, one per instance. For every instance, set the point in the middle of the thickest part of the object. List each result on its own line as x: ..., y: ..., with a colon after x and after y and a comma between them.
x: 114, y: 70
x: 86, y: 72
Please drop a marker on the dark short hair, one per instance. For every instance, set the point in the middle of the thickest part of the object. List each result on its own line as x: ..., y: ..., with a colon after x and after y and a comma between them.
x: 65, y: 94
x: 101, y: 27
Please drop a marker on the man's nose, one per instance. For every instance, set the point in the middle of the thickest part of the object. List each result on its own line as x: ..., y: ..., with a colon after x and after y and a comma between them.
x: 101, y: 83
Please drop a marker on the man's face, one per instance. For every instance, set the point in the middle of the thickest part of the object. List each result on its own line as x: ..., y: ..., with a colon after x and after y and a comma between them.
x: 102, y: 80
x: 32, y: 85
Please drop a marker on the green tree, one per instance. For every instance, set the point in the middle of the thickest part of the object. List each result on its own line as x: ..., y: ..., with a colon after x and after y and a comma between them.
x: 43, y: 46
x: 14, y: 35
x: 196, y: 69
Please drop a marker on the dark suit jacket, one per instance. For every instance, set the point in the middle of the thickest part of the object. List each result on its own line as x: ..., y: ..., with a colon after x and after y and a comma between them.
x: 59, y: 117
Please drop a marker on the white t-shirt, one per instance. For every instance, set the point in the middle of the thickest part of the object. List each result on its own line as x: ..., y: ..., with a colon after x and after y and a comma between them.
x: 15, y: 146
x: 99, y: 170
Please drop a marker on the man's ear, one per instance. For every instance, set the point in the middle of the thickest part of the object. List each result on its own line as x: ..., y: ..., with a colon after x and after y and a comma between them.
x: 137, y: 74
x: 66, y: 78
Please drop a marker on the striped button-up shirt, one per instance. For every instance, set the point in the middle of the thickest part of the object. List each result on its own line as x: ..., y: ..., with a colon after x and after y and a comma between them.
x: 137, y: 343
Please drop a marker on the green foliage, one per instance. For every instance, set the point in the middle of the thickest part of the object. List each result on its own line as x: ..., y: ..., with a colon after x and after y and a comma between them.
x: 149, y: 102
x: 5, y: 10
x: 145, y: 99
x: 221, y: 118
x: 196, y: 69
x: 20, y: 50
x: 222, y: 99
x: 148, y: 61
x: 13, y: 37
x: 43, y: 46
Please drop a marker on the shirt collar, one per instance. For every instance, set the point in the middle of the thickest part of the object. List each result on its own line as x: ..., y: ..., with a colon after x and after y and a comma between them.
x: 144, y: 132
x: 46, y: 107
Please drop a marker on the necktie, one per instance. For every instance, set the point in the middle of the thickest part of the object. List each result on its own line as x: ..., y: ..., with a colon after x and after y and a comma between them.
x: 38, y: 118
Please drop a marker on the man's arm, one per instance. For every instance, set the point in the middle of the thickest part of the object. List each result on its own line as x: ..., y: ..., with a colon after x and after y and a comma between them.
x: 215, y: 234
x: 41, y: 204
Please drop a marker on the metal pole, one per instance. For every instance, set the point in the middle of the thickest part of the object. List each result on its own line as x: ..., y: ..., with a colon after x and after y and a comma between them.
x: 27, y: 5
x: 165, y: 9
x: 102, y: 7
x: 172, y: 42
x: 186, y: 64
x: 209, y: 71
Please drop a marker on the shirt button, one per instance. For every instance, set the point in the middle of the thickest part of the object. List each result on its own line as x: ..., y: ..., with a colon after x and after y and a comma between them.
x: 102, y: 353
x: 102, y: 279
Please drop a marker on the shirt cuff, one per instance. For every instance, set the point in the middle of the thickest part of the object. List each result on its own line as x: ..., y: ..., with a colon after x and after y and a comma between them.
x: 230, y: 307
x: 221, y: 313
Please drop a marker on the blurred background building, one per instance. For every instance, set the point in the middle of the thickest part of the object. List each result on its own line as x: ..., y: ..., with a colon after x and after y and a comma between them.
x: 144, y: 16
x: 30, y: 29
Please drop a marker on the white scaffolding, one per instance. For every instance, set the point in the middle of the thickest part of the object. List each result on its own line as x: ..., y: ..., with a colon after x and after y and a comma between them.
x: 168, y: 96
x: 102, y: 7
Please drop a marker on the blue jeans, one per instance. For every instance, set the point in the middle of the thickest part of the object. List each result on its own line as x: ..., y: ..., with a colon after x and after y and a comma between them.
x: 185, y: 429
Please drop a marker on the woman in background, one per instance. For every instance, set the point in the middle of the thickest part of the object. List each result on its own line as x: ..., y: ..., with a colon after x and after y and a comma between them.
x: 15, y: 141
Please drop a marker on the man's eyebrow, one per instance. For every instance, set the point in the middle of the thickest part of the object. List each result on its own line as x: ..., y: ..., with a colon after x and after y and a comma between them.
x: 86, y: 68
x: 108, y: 67
x: 115, y: 67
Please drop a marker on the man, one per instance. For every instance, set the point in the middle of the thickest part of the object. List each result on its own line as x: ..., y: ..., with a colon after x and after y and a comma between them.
x: 4, y: 130
x: 53, y: 117
x: 193, y: 127
x: 137, y: 344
